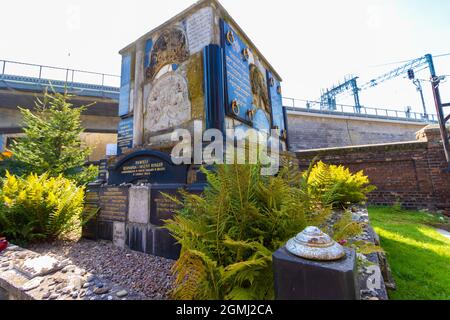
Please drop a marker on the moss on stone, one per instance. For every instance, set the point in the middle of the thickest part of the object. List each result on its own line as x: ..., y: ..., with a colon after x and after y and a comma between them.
x: 194, y: 76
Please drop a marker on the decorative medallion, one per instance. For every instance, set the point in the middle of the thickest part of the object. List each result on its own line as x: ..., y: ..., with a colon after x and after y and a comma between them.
x: 246, y: 54
x: 170, y: 49
x: 235, y: 107
x: 251, y: 113
x: 230, y: 37
x: 279, y: 89
x: 284, y: 134
x: 271, y: 82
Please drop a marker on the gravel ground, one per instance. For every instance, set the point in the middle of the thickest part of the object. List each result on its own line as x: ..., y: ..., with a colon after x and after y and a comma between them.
x: 145, y: 274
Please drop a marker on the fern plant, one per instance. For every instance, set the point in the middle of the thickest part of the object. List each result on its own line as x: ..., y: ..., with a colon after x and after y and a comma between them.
x: 337, y: 186
x: 39, y: 207
x: 229, y: 233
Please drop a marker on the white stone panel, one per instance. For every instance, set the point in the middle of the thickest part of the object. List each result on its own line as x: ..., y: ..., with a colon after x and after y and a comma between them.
x: 199, y: 29
x: 139, y: 206
x: 119, y: 234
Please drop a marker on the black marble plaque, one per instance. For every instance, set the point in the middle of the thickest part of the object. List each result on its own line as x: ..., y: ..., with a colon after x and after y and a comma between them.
x: 113, y: 204
x: 147, y: 166
x: 90, y: 212
x: 161, y: 207
x: 149, y: 242
x: 125, y: 135
x: 90, y: 229
x: 165, y: 245
x: 105, y: 230
x: 135, y: 239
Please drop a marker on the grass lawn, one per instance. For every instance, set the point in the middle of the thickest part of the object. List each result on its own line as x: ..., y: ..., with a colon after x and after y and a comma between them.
x: 418, y: 255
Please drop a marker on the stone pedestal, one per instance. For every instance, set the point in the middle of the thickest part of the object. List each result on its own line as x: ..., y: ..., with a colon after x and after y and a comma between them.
x: 301, y: 279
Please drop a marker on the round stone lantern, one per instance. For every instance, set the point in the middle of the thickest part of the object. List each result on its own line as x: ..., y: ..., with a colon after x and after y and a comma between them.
x: 313, y: 244
x: 312, y: 266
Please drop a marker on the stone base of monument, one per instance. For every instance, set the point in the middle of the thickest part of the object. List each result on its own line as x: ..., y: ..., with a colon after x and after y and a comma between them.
x: 133, y: 217
x: 132, y: 213
x: 301, y: 279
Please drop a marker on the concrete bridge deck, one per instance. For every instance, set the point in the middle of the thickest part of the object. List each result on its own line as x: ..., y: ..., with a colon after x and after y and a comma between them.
x: 19, y: 89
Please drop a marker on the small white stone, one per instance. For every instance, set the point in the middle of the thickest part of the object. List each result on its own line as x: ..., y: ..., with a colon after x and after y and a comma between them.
x: 122, y: 293
x: 41, y: 265
x: 32, y: 284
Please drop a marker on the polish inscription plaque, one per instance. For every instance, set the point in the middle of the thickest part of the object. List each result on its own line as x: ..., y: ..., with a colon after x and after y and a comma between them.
x: 125, y: 135
x: 161, y: 207
x: 238, y: 83
x: 113, y: 204
x: 147, y: 166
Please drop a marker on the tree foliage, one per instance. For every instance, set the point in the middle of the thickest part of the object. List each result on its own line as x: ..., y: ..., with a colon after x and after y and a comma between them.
x: 52, y: 141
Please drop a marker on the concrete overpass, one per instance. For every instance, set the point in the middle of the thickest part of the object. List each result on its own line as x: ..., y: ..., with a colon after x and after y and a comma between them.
x: 18, y: 88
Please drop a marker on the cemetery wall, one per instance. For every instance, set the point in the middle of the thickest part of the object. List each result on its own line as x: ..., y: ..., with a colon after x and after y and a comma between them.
x: 413, y: 173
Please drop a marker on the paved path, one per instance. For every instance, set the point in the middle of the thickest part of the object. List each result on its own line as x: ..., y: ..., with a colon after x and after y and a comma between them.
x: 444, y: 233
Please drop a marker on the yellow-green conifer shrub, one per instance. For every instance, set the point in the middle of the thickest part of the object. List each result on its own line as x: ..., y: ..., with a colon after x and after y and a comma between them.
x: 337, y: 186
x: 39, y: 207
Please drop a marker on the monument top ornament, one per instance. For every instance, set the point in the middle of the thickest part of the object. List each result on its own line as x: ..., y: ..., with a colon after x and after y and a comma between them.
x: 313, y: 244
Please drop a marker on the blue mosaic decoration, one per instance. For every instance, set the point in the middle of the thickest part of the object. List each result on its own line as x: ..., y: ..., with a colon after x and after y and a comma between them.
x: 260, y: 121
x: 276, y: 100
x: 125, y: 136
x: 148, y: 49
x: 125, y: 86
x: 237, y: 74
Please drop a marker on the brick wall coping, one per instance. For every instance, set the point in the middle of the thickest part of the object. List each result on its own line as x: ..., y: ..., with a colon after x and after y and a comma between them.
x: 411, y: 145
x: 353, y: 116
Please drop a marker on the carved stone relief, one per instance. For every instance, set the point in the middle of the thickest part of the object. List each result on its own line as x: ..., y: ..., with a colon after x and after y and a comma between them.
x: 168, y: 103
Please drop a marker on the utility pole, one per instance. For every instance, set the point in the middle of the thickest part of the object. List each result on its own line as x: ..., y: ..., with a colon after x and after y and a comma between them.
x: 419, y: 88
x: 435, y: 81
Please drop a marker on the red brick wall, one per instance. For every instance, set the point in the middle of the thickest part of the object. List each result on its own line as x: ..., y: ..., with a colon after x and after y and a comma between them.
x: 413, y: 173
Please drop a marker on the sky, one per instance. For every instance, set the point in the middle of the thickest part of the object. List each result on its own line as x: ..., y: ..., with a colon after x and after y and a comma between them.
x: 312, y: 44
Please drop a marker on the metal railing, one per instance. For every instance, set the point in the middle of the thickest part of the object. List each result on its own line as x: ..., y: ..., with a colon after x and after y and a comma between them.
x: 71, y: 79
x: 315, y: 106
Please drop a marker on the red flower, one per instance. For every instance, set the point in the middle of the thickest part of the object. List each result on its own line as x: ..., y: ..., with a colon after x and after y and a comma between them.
x: 3, y: 244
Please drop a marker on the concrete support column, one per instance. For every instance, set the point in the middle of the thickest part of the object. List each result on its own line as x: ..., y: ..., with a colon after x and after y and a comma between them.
x: 138, y: 133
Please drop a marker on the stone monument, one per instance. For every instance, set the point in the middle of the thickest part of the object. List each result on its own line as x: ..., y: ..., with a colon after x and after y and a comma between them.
x: 198, y: 67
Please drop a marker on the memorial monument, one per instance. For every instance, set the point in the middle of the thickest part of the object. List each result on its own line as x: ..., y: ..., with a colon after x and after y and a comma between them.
x: 198, y: 67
